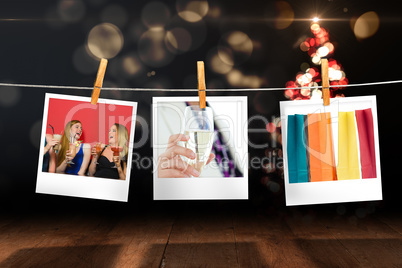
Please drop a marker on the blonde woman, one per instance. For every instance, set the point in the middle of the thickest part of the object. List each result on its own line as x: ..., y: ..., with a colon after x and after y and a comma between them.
x: 110, y: 166
x: 80, y: 159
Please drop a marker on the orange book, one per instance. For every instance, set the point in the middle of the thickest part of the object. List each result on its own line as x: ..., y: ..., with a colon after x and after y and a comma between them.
x: 320, y: 147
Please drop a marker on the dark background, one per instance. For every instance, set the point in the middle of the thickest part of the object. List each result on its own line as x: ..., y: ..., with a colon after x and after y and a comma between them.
x: 37, y: 46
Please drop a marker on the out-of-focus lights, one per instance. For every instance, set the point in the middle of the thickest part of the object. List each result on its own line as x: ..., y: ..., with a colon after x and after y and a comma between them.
x: 155, y: 15
x: 152, y: 50
x: 192, y: 11
x: 366, y: 25
x: 315, y: 19
x: 105, y: 40
x: 178, y: 40
x: 285, y: 15
x: 131, y: 65
x: 322, y: 51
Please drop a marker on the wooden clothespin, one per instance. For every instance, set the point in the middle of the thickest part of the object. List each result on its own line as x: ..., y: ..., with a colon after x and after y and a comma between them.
x: 201, y: 84
x: 325, y: 81
x: 98, y: 81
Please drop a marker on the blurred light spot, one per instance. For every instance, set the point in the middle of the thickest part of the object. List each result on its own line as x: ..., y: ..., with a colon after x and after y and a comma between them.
x: 34, y: 133
x: 304, y: 46
x: 235, y: 48
x: 131, y: 65
x: 330, y: 47
x: 152, y: 50
x: 304, y: 66
x: 270, y: 127
x: 366, y: 25
x: 316, y: 19
x: 83, y: 62
x: 316, y: 59
x: 322, y: 51
x: 238, y: 79
x: 9, y: 96
x: 155, y: 15
x: 315, y: 27
x: 214, y: 12
x: 71, y: 10
x: 220, y: 63
x: 285, y: 15
x: 178, y: 40
x: 316, y: 94
x: 114, y: 14
x: 105, y: 41
x: 192, y: 11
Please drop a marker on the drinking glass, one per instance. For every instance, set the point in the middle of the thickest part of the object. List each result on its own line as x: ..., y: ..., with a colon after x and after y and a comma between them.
x: 199, y: 125
x: 116, y: 151
x: 98, y: 148
x: 72, y: 150
x: 56, y: 148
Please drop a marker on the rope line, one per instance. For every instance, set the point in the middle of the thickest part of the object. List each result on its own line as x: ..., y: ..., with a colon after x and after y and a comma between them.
x: 194, y: 89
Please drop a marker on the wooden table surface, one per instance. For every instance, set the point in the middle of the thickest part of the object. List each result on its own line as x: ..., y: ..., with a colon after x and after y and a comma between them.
x: 207, y: 236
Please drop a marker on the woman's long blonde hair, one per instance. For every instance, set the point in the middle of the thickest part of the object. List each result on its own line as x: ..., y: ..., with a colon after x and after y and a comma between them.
x: 65, y: 142
x: 122, y: 134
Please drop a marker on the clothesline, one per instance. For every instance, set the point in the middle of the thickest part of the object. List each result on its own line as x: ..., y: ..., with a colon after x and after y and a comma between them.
x: 194, y: 89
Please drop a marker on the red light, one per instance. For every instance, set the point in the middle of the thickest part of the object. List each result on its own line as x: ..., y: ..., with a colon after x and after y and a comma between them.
x: 270, y: 127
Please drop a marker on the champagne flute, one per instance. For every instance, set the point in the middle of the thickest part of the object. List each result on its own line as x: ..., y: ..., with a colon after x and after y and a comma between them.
x: 98, y: 149
x: 72, y: 150
x: 199, y: 126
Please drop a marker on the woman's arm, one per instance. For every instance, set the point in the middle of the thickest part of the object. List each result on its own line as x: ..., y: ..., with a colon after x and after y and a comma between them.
x: 62, y: 167
x: 87, y: 156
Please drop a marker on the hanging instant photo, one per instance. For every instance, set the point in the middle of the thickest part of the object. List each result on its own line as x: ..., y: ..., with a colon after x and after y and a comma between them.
x: 86, y: 149
x: 200, y: 153
x: 331, y: 153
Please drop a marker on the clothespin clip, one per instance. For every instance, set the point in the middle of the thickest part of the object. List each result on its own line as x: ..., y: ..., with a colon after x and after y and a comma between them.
x: 98, y: 81
x: 201, y: 84
x: 325, y: 81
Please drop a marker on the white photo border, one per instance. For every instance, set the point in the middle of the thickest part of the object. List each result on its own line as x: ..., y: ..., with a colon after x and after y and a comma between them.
x: 331, y: 191
x: 84, y: 186
x: 203, y: 188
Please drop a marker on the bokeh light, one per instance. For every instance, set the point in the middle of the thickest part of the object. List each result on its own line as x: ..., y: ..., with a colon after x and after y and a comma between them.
x: 178, y: 40
x: 216, y: 63
x: 71, y: 10
x: 131, y: 65
x: 285, y: 15
x: 105, y: 40
x: 155, y: 15
x: 366, y: 25
x: 235, y: 48
x: 152, y: 49
x: 192, y: 11
x: 316, y: 47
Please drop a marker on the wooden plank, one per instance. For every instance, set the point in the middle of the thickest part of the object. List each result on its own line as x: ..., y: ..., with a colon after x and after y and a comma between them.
x: 318, y: 243
x: 64, y: 242
x: 285, y: 242
x: 202, y: 239
x: 372, y: 242
x: 393, y: 220
x: 89, y: 241
x: 143, y: 239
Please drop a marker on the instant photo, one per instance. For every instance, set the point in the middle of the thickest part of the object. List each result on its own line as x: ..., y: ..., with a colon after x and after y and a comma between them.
x: 331, y: 153
x: 200, y: 153
x: 86, y: 149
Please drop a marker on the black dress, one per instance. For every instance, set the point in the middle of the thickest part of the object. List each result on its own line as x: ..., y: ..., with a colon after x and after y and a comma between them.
x: 104, y: 168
